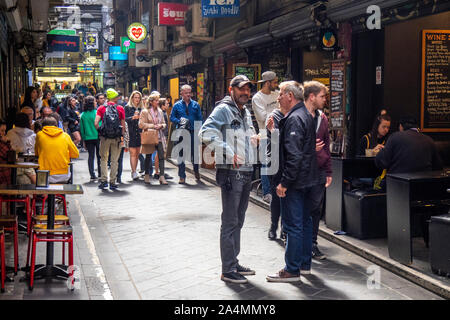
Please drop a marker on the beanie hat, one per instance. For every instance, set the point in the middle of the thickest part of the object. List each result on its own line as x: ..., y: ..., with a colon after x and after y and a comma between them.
x: 111, y: 94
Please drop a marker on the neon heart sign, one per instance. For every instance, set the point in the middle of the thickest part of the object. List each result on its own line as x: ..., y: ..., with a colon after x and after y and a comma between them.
x: 137, y: 32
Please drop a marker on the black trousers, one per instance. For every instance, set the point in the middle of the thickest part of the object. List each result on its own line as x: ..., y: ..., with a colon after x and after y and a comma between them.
x: 316, y: 202
x: 148, y: 161
x: 93, y: 148
x: 275, y: 207
x: 141, y: 162
x: 120, y: 164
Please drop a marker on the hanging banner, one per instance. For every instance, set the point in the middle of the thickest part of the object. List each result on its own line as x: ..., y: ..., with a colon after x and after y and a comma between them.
x: 220, y: 8
x: 200, y: 87
x: 126, y: 44
x: 91, y: 41
x: 63, y: 43
x: 137, y: 32
x: 171, y: 14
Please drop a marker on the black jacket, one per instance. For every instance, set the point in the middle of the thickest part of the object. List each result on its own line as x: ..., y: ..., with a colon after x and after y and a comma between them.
x: 408, y: 151
x: 298, y: 161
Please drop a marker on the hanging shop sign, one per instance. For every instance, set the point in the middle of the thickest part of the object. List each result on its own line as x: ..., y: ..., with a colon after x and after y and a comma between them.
x: 137, y: 32
x: 171, y: 14
x: 126, y: 44
x: 200, y: 87
x: 328, y: 40
x: 116, y: 55
x: 91, y: 41
x: 220, y: 8
x: 64, y: 32
x: 189, y: 56
x: 63, y: 43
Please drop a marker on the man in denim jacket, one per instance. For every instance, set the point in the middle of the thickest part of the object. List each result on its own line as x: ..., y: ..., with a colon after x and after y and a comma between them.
x: 230, y: 132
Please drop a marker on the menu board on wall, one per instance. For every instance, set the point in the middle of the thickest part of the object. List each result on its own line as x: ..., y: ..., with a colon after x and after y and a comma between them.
x: 250, y: 70
x: 337, y: 93
x: 435, y: 104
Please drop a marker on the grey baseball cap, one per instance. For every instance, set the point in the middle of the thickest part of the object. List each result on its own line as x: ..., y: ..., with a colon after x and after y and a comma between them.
x: 268, y: 76
x: 240, y: 81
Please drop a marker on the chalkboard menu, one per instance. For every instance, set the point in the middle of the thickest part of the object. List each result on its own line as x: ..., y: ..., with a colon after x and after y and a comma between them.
x: 435, y: 106
x: 337, y: 93
x: 250, y: 70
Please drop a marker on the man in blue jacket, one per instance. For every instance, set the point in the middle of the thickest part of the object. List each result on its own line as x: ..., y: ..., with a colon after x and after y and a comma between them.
x: 297, y: 175
x: 188, y: 109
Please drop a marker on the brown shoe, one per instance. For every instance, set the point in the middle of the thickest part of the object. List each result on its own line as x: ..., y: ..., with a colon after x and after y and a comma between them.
x: 147, y: 179
x: 182, y: 181
x: 197, y: 176
x: 162, y: 180
x: 283, y: 276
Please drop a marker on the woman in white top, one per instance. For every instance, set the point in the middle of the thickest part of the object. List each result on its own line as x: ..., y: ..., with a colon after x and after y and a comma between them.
x: 22, y: 139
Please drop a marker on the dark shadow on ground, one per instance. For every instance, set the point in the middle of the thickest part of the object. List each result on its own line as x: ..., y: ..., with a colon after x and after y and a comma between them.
x: 114, y: 194
x: 250, y: 291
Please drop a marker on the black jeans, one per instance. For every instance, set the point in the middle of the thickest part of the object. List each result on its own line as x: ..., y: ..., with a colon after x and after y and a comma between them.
x: 316, y: 204
x: 148, y: 161
x: 275, y: 206
x: 93, y: 148
x: 141, y: 162
x: 120, y: 165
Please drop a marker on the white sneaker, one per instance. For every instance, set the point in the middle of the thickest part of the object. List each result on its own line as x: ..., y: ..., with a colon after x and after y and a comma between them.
x: 134, y: 176
x: 267, y: 198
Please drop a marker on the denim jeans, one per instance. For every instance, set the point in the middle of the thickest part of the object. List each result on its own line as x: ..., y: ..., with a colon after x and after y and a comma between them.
x: 148, y: 161
x: 120, y: 164
x: 297, y: 223
x: 275, y: 207
x: 93, y: 148
x: 235, y: 194
x: 141, y: 162
x: 182, y: 165
x: 265, y: 182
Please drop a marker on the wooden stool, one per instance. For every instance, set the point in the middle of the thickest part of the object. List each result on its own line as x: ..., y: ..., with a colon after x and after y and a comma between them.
x: 40, y: 233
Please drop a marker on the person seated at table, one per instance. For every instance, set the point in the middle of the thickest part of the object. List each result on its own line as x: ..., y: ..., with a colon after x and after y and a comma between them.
x: 55, y: 148
x: 408, y: 150
x: 22, y: 139
x: 376, y: 138
x: 5, y: 173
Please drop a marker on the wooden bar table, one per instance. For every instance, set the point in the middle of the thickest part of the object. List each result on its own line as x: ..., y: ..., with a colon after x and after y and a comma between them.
x: 49, y: 270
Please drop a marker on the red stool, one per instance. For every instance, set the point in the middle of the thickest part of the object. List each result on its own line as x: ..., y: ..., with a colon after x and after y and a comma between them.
x: 11, y: 224
x: 60, y: 196
x: 40, y: 233
x: 2, y: 257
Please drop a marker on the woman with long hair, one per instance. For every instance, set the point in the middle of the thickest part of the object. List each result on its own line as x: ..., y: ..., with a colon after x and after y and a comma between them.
x: 377, y: 137
x: 90, y: 134
x: 73, y: 119
x: 152, y: 118
x: 31, y: 96
x: 132, y: 112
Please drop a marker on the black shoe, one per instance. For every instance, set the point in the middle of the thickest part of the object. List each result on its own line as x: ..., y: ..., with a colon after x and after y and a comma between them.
x: 103, y: 185
x: 245, y: 271
x: 167, y: 176
x: 197, y: 175
x: 141, y: 171
x: 272, y: 234
x: 233, y: 277
x: 156, y: 176
x: 113, y: 186
x: 283, y: 236
x: 119, y: 180
x: 316, y: 254
x: 93, y: 178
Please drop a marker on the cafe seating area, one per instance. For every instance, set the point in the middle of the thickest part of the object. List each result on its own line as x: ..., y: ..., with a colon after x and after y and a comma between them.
x: 408, y: 223
x: 43, y: 224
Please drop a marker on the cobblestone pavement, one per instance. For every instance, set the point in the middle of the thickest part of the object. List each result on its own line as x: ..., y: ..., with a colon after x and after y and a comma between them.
x: 162, y: 242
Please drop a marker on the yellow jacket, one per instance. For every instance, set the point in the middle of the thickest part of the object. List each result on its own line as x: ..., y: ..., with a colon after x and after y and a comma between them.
x: 55, y: 148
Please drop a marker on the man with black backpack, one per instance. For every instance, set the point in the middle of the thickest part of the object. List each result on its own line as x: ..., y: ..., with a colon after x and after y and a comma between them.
x: 110, y: 131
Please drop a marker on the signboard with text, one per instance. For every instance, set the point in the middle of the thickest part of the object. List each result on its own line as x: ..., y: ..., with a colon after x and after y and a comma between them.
x: 171, y: 14
x: 220, y: 8
x: 63, y: 43
x: 435, y: 97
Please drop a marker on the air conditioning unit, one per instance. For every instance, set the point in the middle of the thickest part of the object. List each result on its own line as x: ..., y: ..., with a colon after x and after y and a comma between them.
x: 196, y: 25
x: 181, y: 37
x: 159, y: 42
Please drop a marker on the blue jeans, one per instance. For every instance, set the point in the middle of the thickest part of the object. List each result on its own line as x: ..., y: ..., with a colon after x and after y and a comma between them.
x: 182, y: 165
x: 265, y: 184
x: 297, y: 223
